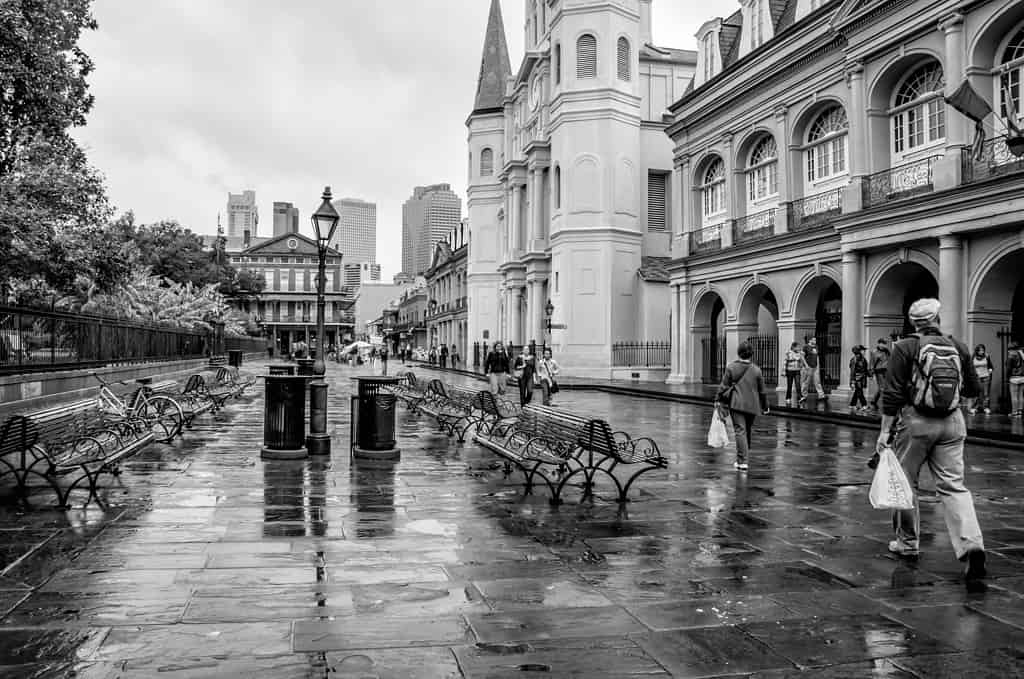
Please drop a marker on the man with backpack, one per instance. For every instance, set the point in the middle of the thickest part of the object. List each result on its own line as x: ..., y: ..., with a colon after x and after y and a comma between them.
x: 930, y: 375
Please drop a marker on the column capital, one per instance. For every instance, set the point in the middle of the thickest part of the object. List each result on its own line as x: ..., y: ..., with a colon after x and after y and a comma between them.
x: 952, y: 23
x: 950, y: 241
x: 854, y: 71
x: 727, y: 139
x: 850, y: 256
x: 781, y: 112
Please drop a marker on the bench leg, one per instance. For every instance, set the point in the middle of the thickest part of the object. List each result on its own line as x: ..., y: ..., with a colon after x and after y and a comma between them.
x: 634, y: 477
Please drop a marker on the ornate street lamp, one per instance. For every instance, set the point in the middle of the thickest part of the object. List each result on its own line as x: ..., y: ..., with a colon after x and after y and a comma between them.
x: 325, y: 221
x: 549, y: 310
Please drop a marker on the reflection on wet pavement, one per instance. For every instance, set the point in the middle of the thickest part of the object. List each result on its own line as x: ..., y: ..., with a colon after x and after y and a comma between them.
x: 210, y: 562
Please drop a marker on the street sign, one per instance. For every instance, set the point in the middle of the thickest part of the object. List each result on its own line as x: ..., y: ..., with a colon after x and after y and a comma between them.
x: 557, y: 326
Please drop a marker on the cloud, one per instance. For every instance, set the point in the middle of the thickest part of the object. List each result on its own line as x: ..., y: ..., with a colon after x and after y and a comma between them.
x: 196, y: 98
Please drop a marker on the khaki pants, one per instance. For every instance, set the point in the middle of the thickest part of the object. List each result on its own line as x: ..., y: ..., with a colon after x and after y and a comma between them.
x: 939, y: 443
x: 497, y: 382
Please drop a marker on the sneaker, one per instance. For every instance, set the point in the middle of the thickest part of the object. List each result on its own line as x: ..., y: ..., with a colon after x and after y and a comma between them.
x: 803, y: 399
x: 741, y: 466
x: 975, y: 569
x: 988, y: 411
x: 902, y: 549
x: 973, y: 411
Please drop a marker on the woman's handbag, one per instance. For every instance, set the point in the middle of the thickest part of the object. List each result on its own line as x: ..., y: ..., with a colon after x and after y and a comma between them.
x: 554, y: 387
x: 725, y: 396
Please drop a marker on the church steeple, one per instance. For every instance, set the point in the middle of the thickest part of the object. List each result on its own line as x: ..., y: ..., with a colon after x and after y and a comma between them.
x: 495, y: 66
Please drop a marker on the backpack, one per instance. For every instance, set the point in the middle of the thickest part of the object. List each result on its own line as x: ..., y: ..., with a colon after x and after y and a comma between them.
x: 938, y: 376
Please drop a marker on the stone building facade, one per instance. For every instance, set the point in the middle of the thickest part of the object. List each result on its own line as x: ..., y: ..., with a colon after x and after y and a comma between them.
x: 825, y: 183
x: 447, y: 293
x: 569, y: 191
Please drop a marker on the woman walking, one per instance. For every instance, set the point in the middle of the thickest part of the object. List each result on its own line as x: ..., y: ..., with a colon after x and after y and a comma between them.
x: 525, y: 367
x: 742, y: 393
x: 547, y: 368
x: 795, y: 365
x: 1015, y: 368
x: 983, y: 366
x: 858, y: 379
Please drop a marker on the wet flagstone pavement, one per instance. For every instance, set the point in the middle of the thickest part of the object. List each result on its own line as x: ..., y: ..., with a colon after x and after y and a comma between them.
x: 209, y: 562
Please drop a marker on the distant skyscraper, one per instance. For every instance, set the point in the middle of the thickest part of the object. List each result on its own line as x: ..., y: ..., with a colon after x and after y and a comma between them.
x: 427, y: 217
x: 357, y: 273
x: 242, y: 214
x: 356, y: 236
x: 286, y: 219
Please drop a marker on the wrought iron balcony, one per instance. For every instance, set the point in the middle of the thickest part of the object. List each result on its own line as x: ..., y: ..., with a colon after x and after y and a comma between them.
x: 754, y: 227
x: 817, y: 210
x: 707, y: 239
x: 994, y: 160
x: 897, y: 183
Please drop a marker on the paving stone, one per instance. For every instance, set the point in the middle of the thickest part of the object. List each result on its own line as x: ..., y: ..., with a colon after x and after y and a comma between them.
x: 55, y: 609
x: 24, y: 645
x: 377, y: 631
x: 710, y: 651
x: 872, y: 669
x: 795, y: 576
x: 995, y: 663
x: 596, y: 658
x: 555, y: 623
x: 961, y: 627
x: 513, y: 594
x: 151, y: 645
x: 709, y: 612
x: 415, y: 663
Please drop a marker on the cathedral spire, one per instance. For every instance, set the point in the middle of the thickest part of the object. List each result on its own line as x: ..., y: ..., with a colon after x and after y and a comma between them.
x: 495, y: 67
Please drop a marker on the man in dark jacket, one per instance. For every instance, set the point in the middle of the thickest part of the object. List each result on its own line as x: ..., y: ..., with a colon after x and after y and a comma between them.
x: 928, y: 434
x: 496, y: 368
x: 525, y: 367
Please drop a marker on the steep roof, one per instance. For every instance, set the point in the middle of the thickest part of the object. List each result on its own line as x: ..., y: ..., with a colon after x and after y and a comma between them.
x: 729, y: 38
x: 653, y: 269
x: 495, y: 66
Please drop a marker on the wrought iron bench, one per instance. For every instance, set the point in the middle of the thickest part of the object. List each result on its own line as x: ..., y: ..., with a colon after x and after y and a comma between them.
x: 192, y: 404
x: 72, y: 442
x: 229, y: 376
x: 204, y: 386
x: 496, y: 411
x: 410, y: 391
x: 607, y: 450
x: 456, y: 409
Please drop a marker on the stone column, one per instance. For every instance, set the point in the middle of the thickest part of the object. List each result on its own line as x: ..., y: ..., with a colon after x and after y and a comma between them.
x: 948, y: 171
x: 680, y: 201
x: 858, y: 147
x: 515, y: 316
x: 531, y: 211
x: 537, y: 207
x: 782, y: 144
x: 529, y: 325
x: 951, y: 284
x: 673, y: 373
x: 736, y: 332
x: 515, y: 226
x: 853, y: 313
x: 537, y: 311
x: 731, y: 190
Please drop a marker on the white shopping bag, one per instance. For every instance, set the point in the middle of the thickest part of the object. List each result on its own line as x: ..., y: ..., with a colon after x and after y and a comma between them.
x: 718, y: 435
x: 890, y: 489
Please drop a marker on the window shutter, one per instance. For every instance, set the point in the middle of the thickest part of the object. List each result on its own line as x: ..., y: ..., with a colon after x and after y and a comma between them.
x: 486, y: 163
x: 586, y: 57
x: 623, y: 60
x: 656, y: 188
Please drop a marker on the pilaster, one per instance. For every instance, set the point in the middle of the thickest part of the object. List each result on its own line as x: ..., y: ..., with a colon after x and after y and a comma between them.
x: 858, y: 147
x: 951, y: 281
x: 853, y: 313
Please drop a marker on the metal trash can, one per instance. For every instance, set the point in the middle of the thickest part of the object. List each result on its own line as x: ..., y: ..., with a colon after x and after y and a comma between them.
x: 284, y: 417
x: 375, y: 418
x: 305, y: 366
x: 281, y: 369
x: 235, y: 358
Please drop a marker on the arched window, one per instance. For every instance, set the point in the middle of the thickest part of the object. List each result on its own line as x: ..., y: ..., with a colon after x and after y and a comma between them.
x: 486, y: 163
x: 557, y: 66
x: 712, y: 190
x: 919, y: 110
x: 1010, y: 70
x: 558, y: 186
x: 763, y: 170
x: 826, y: 145
x: 623, y: 60
x: 586, y: 56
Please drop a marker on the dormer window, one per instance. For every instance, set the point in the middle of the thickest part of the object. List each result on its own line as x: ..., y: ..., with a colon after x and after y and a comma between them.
x: 708, y: 50
x: 758, y: 20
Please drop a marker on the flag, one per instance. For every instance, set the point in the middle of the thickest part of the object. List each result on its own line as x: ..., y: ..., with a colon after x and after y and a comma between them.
x: 966, y: 100
x: 1009, y: 108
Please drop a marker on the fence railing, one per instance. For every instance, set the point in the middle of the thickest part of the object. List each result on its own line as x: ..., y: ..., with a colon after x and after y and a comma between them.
x: 642, y: 354
x: 754, y: 227
x: 899, y: 182
x: 813, y: 211
x: 713, y: 359
x: 707, y: 239
x: 766, y: 356
x: 995, y: 159
x: 33, y: 340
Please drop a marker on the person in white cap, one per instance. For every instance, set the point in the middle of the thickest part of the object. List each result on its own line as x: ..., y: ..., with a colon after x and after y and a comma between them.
x: 930, y: 375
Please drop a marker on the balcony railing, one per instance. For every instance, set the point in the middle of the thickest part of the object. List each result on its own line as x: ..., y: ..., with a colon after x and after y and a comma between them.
x: 645, y: 354
x: 754, y: 227
x: 995, y: 160
x: 897, y: 183
x: 813, y: 211
x: 707, y: 239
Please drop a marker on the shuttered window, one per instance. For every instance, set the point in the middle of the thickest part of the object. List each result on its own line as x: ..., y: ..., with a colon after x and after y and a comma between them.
x: 657, y: 185
x: 625, y: 72
x: 586, y: 56
x: 486, y: 163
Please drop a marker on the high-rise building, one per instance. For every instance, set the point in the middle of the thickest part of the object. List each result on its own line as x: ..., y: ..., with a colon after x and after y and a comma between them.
x: 427, y: 217
x: 356, y: 236
x: 286, y: 218
x: 243, y: 216
x: 357, y: 273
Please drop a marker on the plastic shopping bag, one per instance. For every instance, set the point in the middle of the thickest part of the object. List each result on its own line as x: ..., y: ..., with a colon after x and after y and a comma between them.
x: 718, y: 436
x: 890, y: 489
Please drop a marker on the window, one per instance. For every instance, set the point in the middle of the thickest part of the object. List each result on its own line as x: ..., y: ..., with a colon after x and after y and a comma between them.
x: 486, y: 163
x: 826, y: 145
x: 557, y: 58
x: 586, y: 57
x: 657, y: 186
x: 708, y: 50
x: 712, y: 189
x: 1010, y: 68
x: 558, y: 186
x: 284, y: 280
x: 763, y: 170
x: 919, y: 110
x: 623, y: 54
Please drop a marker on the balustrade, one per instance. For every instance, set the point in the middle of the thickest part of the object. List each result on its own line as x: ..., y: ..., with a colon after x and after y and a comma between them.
x: 754, y: 227
x: 817, y: 210
x: 899, y: 182
x: 707, y: 239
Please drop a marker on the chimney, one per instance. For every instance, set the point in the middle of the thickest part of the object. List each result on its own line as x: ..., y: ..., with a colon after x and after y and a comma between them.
x: 645, y: 22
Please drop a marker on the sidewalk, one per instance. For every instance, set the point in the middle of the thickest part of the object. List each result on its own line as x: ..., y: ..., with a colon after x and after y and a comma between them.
x: 997, y: 430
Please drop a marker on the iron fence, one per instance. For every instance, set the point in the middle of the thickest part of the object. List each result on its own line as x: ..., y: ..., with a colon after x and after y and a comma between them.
x: 814, y: 211
x: 754, y: 227
x: 766, y: 356
x: 707, y: 239
x: 995, y: 159
x: 713, y: 359
x: 645, y: 354
x: 907, y: 180
x: 830, y: 357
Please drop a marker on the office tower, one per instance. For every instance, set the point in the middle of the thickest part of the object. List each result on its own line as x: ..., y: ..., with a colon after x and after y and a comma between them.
x: 243, y: 216
x: 286, y: 218
x: 356, y: 237
x: 427, y: 217
x: 357, y: 273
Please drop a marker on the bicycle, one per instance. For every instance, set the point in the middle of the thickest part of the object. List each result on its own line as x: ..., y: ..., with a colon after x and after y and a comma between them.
x: 162, y: 414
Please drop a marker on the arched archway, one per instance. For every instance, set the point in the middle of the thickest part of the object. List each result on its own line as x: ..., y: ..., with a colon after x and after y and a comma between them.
x: 708, y: 335
x: 996, y: 313
x: 896, y: 289
x: 757, y: 319
x: 818, y: 313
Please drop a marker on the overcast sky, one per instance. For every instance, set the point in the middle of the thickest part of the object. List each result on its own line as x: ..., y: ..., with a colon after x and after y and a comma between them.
x: 196, y: 98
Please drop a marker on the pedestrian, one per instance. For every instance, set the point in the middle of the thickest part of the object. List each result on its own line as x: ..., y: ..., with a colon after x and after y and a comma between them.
x: 795, y: 365
x: 401, y: 353
x: 525, y: 367
x: 443, y: 356
x: 384, y: 359
x: 812, y: 371
x: 1015, y: 369
x: 929, y: 374
x: 454, y: 354
x: 546, y: 370
x: 432, y: 355
x: 984, y: 369
x: 858, y: 379
x: 879, y: 368
x: 742, y: 395
x: 373, y: 357
x: 497, y: 367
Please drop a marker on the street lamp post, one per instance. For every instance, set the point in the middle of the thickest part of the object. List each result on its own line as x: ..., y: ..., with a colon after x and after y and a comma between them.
x: 325, y: 221
x: 549, y: 310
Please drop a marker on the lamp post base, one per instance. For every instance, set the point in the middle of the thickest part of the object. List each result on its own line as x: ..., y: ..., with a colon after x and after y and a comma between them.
x: 283, y: 454
x: 318, y: 444
x: 363, y: 454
